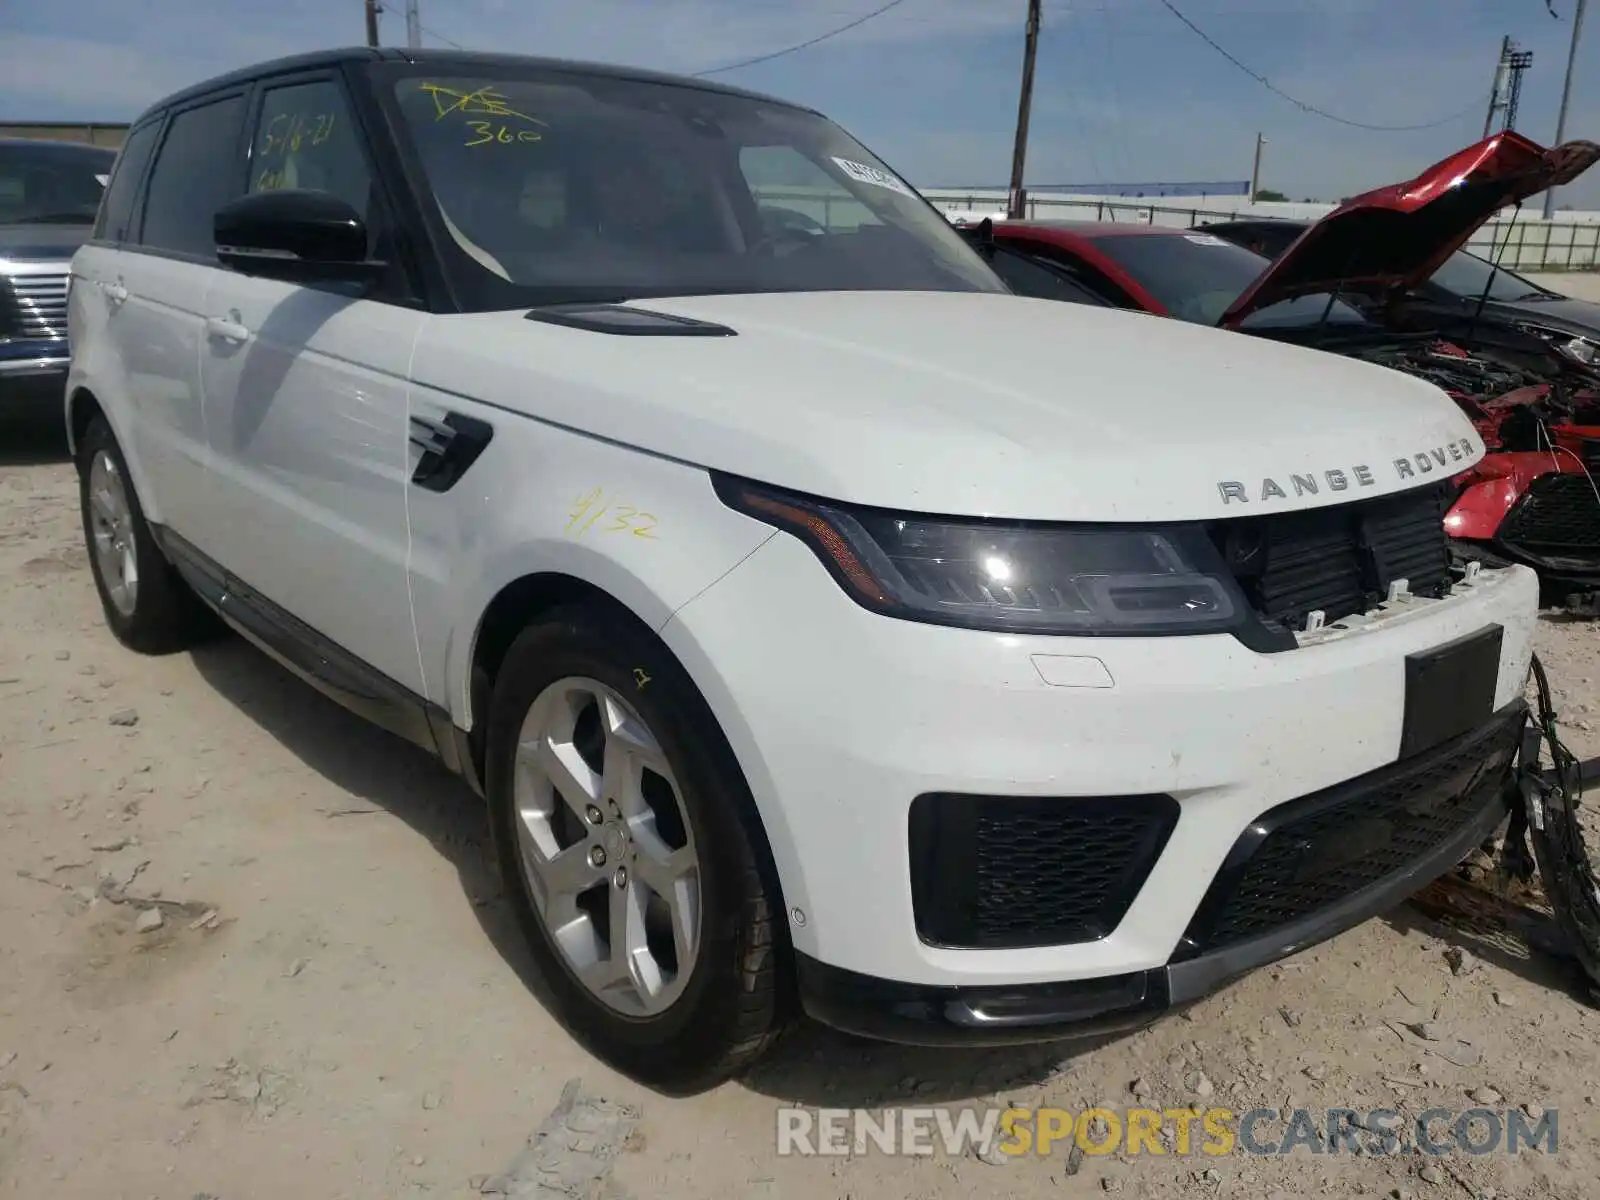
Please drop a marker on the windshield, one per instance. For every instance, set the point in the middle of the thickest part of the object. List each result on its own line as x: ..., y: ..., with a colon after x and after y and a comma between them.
x: 554, y: 186
x: 1465, y: 275
x: 52, y: 184
x: 1197, y: 276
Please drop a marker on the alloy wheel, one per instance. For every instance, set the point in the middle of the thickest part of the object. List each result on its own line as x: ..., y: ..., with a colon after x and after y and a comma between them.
x: 111, y: 524
x: 605, y: 846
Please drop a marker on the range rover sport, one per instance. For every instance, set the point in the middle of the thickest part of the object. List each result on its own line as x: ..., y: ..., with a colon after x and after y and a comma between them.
x: 821, y: 621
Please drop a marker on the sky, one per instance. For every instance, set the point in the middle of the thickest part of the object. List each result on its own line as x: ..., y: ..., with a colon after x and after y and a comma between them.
x: 1124, y: 92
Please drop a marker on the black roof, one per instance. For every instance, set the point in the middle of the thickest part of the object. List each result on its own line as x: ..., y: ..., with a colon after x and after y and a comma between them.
x: 465, y: 59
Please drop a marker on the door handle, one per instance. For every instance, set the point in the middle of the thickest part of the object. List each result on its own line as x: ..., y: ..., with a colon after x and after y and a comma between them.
x: 227, y: 329
x: 115, y: 293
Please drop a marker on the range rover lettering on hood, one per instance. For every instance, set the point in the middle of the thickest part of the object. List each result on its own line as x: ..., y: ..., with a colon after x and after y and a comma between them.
x: 1341, y: 479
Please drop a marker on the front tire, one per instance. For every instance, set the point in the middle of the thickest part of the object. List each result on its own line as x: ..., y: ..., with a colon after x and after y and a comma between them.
x: 622, y: 832
x: 147, y: 605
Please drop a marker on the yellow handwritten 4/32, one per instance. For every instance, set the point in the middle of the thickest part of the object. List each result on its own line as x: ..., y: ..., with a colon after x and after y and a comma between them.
x: 595, y: 511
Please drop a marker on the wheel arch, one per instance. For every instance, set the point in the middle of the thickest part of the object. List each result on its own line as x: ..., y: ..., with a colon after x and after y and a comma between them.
x: 83, y: 406
x: 524, y: 600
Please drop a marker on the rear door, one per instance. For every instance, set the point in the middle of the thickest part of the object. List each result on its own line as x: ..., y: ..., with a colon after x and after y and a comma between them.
x: 156, y: 288
x: 305, y: 400
x: 97, y: 303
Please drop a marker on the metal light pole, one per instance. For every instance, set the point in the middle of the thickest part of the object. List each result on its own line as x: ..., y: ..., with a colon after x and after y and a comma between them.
x: 1255, y: 169
x: 1498, y: 91
x: 1566, y: 98
x: 413, y: 25
x: 372, y: 22
x: 1016, y: 201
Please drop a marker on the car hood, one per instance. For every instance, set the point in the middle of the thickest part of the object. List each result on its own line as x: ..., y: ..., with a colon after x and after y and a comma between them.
x: 1580, y: 318
x: 1397, y: 236
x: 41, y: 243
x: 971, y: 404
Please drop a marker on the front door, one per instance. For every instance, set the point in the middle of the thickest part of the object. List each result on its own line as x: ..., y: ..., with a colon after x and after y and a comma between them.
x: 305, y: 404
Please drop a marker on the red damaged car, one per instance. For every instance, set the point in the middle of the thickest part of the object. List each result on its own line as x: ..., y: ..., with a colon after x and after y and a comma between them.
x: 1342, y: 287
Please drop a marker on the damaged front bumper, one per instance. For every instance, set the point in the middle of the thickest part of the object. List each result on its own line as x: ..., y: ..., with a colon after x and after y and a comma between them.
x: 1452, y: 779
x: 927, y: 1015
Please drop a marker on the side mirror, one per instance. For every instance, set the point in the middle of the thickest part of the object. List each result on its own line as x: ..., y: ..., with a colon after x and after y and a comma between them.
x: 294, y: 235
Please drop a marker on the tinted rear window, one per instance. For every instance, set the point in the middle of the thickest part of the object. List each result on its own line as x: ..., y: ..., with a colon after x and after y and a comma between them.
x: 197, y: 171
x: 116, y: 212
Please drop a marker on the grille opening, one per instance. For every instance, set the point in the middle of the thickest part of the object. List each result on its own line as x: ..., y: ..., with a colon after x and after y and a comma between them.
x: 33, y: 306
x: 1004, y: 872
x: 1556, y: 513
x: 1339, y: 560
x: 1308, y: 854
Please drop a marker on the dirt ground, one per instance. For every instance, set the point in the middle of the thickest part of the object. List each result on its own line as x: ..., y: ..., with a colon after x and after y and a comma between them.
x: 1582, y: 285
x: 334, y: 1003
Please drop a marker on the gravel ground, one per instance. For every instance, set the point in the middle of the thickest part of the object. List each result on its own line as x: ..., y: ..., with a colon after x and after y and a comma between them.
x: 251, y: 948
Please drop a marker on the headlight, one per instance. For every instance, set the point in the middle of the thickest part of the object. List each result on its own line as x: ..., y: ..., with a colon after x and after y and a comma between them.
x: 1009, y: 576
x: 1580, y: 350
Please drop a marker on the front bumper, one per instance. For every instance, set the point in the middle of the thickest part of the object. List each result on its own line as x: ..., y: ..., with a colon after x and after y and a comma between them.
x: 997, y: 1015
x: 841, y: 719
x: 34, y: 360
x: 1554, y: 527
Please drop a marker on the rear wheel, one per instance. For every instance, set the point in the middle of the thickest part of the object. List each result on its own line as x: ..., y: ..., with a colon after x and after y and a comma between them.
x: 623, y: 835
x: 147, y: 605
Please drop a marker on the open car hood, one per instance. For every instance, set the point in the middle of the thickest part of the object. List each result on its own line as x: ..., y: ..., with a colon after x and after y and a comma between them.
x: 1399, y: 235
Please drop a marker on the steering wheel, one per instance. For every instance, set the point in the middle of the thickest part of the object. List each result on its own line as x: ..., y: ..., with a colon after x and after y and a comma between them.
x: 785, y: 231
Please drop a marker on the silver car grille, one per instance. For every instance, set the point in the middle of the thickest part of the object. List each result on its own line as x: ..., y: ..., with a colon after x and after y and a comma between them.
x: 33, y: 304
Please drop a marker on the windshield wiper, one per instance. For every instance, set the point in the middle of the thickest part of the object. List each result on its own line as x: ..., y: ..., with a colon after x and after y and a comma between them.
x: 59, y: 218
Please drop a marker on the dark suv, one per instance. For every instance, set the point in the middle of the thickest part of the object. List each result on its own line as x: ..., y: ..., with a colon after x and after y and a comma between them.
x: 49, y: 193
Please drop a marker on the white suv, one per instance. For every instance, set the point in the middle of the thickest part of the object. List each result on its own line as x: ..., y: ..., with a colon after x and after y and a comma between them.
x: 821, y: 621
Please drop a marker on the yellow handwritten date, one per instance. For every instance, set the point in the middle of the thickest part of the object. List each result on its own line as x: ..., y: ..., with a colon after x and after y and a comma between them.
x: 594, y: 510
x: 288, y: 132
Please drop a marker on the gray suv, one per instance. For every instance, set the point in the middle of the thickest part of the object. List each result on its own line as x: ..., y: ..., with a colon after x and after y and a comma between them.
x: 49, y: 194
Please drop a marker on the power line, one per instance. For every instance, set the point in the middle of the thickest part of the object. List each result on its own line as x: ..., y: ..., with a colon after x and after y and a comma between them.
x: 439, y: 37
x: 1295, y: 100
x: 806, y: 45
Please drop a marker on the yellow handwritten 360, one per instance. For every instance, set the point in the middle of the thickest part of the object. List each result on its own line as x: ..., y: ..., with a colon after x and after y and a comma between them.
x: 595, y: 511
x: 484, y: 133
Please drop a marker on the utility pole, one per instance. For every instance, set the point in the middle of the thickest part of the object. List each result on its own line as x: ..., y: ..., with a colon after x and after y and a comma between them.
x: 1566, y: 99
x: 413, y: 25
x: 1255, y: 170
x: 1017, y: 200
x: 1499, y: 89
x: 1507, y: 94
x: 1518, y: 62
x: 372, y: 21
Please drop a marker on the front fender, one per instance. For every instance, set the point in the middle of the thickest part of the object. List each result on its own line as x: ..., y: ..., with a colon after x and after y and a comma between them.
x: 648, y: 532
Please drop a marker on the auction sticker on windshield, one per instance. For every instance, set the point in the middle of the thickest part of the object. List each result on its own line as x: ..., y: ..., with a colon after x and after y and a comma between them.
x: 862, y: 173
x: 1205, y: 239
